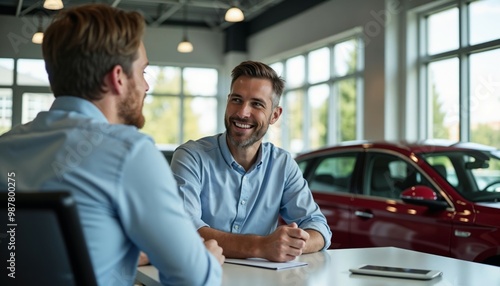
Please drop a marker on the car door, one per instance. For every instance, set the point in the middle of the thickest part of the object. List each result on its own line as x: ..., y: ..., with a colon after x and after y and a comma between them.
x: 330, y: 180
x: 381, y: 218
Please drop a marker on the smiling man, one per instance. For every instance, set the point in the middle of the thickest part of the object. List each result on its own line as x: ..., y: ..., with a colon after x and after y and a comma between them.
x: 235, y: 187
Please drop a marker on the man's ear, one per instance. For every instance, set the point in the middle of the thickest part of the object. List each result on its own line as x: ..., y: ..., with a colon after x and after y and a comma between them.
x: 115, y: 80
x: 276, y: 114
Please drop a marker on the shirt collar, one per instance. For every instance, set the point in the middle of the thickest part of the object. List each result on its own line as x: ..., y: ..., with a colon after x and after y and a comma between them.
x: 78, y: 105
x: 228, y: 157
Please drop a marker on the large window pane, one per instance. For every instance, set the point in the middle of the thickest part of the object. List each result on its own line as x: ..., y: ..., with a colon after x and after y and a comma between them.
x: 5, y: 109
x: 200, y: 117
x: 345, y: 57
x: 162, y: 115
x: 347, y: 109
x: 34, y: 103
x: 485, y: 98
x: 278, y: 68
x: 275, y: 132
x: 6, y: 71
x: 163, y: 80
x: 295, y: 103
x: 32, y: 72
x: 443, y: 99
x: 442, y: 31
x: 484, y: 22
x: 318, y: 103
x: 200, y: 81
x: 295, y: 74
x: 319, y: 65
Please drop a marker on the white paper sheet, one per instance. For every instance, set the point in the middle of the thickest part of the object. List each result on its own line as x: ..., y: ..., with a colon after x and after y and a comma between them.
x: 263, y: 263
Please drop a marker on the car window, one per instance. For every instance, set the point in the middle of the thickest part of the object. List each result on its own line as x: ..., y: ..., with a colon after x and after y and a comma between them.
x: 474, y: 174
x: 388, y: 175
x: 333, y: 174
x: 302, y: 166
x: 443, y: 165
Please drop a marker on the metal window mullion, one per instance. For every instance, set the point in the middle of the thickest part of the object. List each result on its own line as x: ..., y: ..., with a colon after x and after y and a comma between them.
x: 464, y: 72
x: 306, y: 127
x: 181, y: 113
x: 359, y: 90
x: 423, y: 130
x: 285, y: 133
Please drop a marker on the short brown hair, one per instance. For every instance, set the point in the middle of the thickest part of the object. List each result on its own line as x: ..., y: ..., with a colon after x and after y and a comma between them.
x: 260, y: 70
x: 84, y: 43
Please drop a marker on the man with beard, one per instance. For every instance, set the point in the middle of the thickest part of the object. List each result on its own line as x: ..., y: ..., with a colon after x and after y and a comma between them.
x: 89, y: 145
x: 235, y: 187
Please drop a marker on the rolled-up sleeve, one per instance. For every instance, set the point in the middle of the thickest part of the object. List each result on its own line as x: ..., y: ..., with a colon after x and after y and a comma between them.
x: 298, y: 204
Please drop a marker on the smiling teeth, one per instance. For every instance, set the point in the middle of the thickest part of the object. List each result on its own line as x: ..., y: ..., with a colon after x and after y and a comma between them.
x: 240, y: 125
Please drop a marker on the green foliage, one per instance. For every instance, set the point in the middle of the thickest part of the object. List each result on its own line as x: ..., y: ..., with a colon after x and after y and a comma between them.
x: 486, y: 134
x: 162, y: 112
x: 439, y: 130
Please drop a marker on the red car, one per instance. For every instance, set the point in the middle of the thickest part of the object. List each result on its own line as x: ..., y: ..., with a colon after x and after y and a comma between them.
x: 437, y: 198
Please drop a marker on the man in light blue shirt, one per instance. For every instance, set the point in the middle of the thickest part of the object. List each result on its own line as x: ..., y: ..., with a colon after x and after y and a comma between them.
x: 88, y: 144
x: 235, y: 187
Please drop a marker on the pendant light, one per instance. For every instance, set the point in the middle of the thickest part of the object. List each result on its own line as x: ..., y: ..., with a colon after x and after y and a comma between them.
x: 38, y: 36
x: 234, y: 14
x: 185, y: 45
x: 53, y: 4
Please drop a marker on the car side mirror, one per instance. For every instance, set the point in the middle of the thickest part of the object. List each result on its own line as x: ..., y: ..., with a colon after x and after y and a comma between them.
x: 424, y: 196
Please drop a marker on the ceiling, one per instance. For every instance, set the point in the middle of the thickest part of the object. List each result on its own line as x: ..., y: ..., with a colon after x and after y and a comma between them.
x: 201, y: 13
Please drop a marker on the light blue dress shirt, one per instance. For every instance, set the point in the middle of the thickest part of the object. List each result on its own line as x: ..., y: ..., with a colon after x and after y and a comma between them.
x: 126, y: 195
x: 219, y: 193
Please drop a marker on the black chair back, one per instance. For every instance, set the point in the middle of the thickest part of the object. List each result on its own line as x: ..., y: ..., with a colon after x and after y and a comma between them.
x: 41, y: 240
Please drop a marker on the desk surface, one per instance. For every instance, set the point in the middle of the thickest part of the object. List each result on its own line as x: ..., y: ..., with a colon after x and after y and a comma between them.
x: 331, y: 267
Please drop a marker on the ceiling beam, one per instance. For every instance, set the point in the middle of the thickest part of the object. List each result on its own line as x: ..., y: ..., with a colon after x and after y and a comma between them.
x: 163, y: 17
x: 115, y: 3
x: 19, y: 7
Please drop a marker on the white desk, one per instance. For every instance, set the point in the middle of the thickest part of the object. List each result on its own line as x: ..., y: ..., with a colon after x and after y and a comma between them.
x: 331, y: 267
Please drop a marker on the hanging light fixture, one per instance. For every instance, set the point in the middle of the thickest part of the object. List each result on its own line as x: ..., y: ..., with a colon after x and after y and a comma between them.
x: 185, y: 45
x: 234, y: 14
x: 38, y: 36
x: 53, y: 4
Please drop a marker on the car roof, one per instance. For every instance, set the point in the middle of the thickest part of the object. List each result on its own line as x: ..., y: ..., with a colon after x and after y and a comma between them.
x: 401, y: 146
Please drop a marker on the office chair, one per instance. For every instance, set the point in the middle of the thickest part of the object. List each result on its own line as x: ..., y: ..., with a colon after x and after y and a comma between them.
x: 50, y: 248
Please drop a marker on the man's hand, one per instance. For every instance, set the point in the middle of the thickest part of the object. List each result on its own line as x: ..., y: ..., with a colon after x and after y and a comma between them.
x: 143, y: 259
x: 215, y: 249
x: 285, y: 243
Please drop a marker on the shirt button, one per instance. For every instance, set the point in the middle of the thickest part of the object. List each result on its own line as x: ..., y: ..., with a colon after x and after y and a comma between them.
x: 236, y: 227
x: 243, y: 202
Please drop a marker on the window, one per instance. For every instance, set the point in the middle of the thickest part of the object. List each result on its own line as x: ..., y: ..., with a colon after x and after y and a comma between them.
x: 322, y: 97
x: 388, y: 176
x: 181, y: 103
x: 460, y: 50
x: 5, y: 109
x: 33, y: 103
x: 333, y: 174
x: 31, y: 72
x: 6, y: 71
